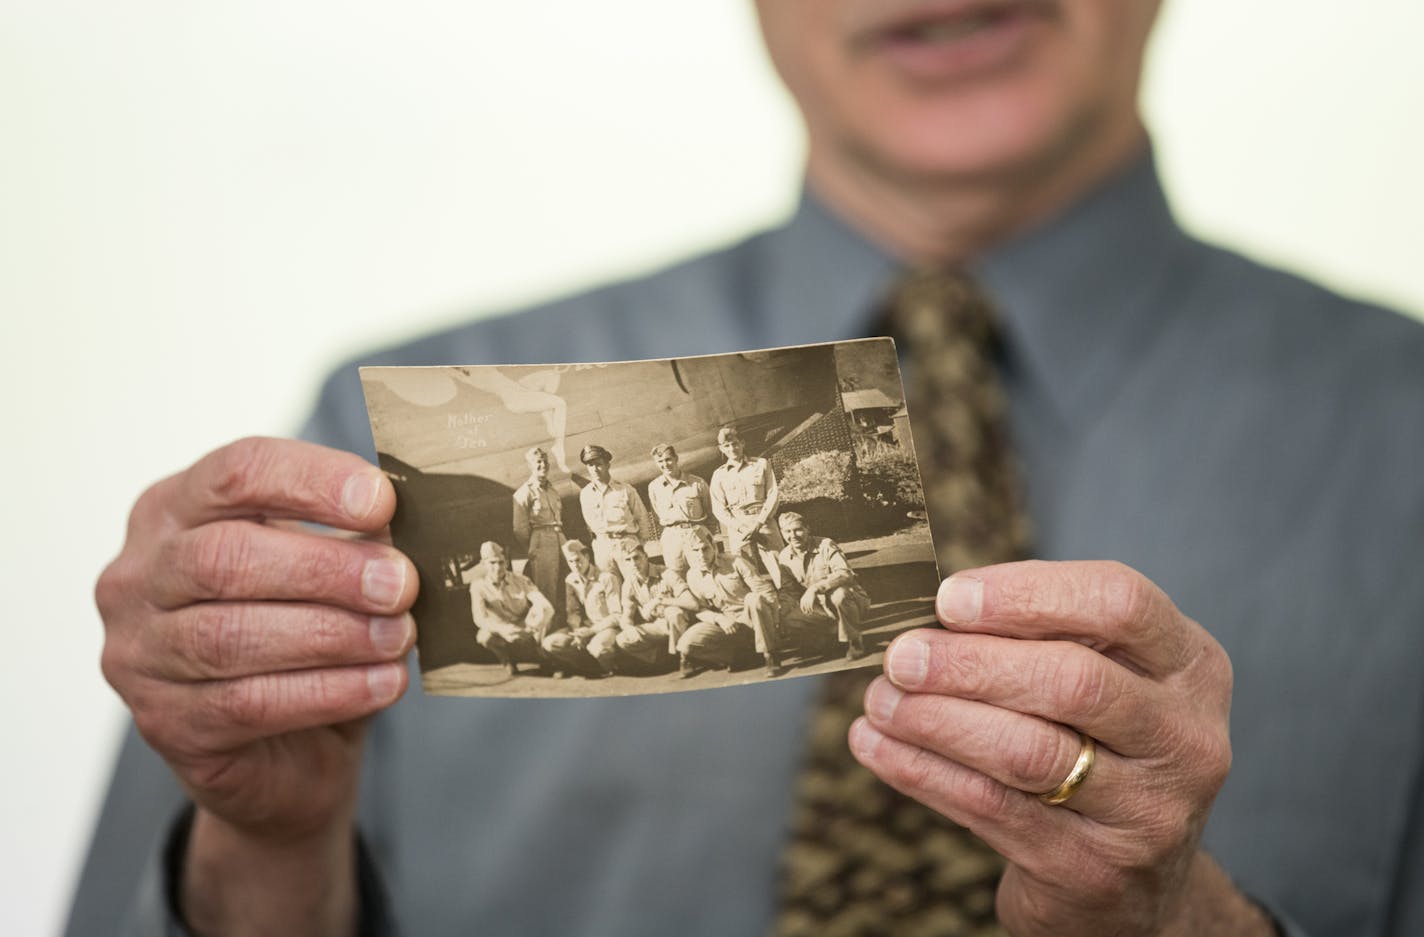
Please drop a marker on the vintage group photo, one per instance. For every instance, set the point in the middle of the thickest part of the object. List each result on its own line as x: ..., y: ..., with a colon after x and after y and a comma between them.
x: 653, y: 526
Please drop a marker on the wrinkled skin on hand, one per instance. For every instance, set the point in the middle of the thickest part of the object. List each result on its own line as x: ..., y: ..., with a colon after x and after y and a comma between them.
x: 250, y: 650
x: 978, y: 718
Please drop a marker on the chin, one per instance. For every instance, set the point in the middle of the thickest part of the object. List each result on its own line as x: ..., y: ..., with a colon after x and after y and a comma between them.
x: 993, y: 130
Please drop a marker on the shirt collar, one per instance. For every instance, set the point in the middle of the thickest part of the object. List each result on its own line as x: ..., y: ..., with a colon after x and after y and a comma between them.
x: 1089, y: 290
x: 1076, y: 296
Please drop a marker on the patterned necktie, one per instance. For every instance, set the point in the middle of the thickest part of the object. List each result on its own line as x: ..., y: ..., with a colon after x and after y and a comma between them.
x: 863, y: 860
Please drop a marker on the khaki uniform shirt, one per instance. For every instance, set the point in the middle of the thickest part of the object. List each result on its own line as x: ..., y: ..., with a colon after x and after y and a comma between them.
x: 501, y: 607
x: 615, y: 508
x: 681, y: 501
x: 536, y: 506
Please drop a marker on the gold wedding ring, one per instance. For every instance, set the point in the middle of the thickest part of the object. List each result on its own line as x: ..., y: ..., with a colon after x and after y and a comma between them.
x: 1086, y: 756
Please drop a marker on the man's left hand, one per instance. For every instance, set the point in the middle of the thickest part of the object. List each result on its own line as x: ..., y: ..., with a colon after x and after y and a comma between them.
x: 977, y: 720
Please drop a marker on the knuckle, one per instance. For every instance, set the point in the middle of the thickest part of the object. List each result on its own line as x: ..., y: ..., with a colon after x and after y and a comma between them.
x: 1035, y: 760
x: 110, y: 588
x: 221, y: 555
x: 1105, y: 881
x: 1210, y: 754
x: 244, y: 704
x: 323, y: 565
x: 215, y: 640
x: 961, y: 666
x: 148, y: 508
x: 115, y: 663
x: 917, y: 770
x: 1076, y: 684
x: 983, y: 796
x: 1129, y: 598
x: 238, y: 469
x: 327, y: 632
x: 155, y: 723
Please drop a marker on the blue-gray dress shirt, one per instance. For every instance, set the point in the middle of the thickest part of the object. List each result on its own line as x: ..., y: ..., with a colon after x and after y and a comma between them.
x: 1249, y: 441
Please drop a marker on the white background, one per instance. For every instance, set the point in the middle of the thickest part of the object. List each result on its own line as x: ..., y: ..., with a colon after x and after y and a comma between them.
x: 204, y: 205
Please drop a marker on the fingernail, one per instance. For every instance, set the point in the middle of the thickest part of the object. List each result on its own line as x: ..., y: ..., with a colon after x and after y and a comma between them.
x: 383, y: 581
x: 383, y: 681
x: 881, y: 701
x: 908, y: 661
x: 358, y: 497
x: 864, y: 739
x: 961, y: 598
x: 390, y: 632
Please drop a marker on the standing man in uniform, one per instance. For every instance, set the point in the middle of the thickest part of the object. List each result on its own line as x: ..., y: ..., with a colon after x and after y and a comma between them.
x: 511, y: 614
x: 744, y: 495
x: 613, y: 510
x: 539, y: 524
x: 680, y: 501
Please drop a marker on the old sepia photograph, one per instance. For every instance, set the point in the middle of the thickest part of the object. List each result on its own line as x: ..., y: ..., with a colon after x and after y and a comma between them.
x: 654, y: 526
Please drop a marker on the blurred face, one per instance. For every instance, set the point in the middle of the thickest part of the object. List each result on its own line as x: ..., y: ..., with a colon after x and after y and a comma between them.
x: 733, y: 449
x: 580, y: 562
x: 539, y: 464
x: 495, y: 567
x: 640, y: 563
x: 959, y: 89
x: 795, y: 533
x: 703, y: 554
x: 667, y: 463
x: 599, y: 470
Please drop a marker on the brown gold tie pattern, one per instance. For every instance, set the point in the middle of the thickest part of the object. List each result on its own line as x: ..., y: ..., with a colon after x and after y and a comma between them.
x: 863, y: 860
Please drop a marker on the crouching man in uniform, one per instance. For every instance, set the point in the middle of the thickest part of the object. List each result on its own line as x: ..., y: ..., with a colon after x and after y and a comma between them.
x: 511, y: 614
x: 721, y: 594
x: 829, y: 590
x: 592, y: 614
x: 651, y: 623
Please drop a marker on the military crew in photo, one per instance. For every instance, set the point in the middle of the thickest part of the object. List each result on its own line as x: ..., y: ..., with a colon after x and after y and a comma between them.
x: 651, y: 622
x: 829, y: 590
x: 680, y: 501
x: 511, y: 614
x: 538, y: 524
x: 744, y: 494
x: 592, y: 615
x: 613, y: 510
x: 727, y: 609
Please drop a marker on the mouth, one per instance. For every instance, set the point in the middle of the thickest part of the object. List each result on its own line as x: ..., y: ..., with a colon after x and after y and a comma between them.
x: 953, y: 40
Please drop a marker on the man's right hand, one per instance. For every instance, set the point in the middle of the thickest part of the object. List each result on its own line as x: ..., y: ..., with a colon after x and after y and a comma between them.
x: 250, y: 650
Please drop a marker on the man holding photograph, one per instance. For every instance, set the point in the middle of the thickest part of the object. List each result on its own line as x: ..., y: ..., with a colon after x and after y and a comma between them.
x: 1246, y: 441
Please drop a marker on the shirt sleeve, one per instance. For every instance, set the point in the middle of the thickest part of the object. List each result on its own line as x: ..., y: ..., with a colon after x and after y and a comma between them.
x: 128, y: 884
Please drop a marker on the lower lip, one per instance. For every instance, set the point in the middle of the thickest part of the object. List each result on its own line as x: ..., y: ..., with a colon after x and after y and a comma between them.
x: 987, y: 49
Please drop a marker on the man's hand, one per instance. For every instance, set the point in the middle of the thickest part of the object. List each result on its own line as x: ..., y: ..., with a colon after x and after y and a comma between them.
x: 808, y: 600
x: 249, y: 652
x: 975, y: 721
